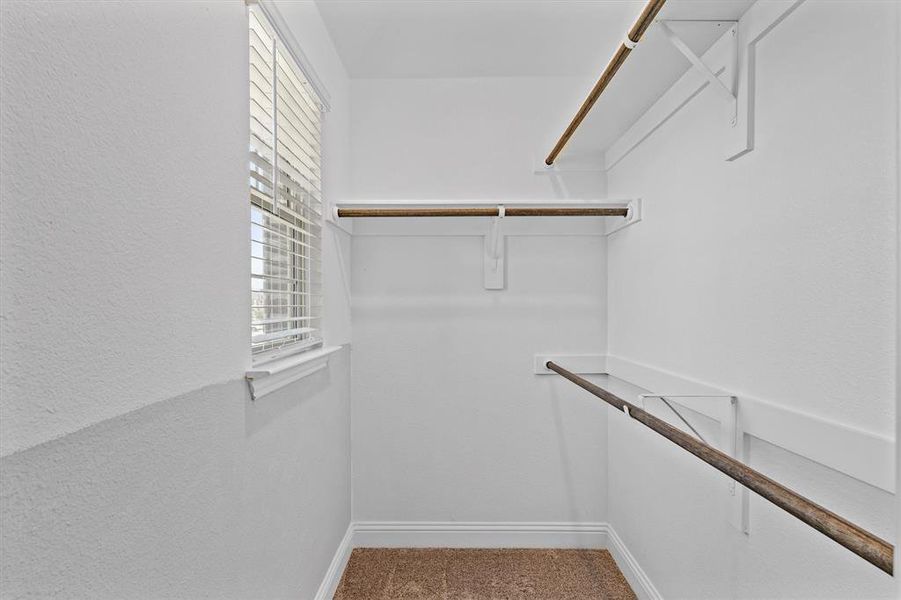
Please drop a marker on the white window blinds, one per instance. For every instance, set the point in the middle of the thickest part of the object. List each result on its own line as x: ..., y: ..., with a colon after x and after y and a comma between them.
x: 285, y: 198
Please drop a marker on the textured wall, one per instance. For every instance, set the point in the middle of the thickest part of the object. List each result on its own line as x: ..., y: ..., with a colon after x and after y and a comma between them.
x: 124, y: 217
x: 449, y: 421
x: 207, y: 495
x: 771, y: 276
x: 134, y: 465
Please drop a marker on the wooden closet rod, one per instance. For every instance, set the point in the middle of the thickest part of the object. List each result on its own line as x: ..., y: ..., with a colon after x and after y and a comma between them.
x: 856, y: 539
x: 493, y: 211
x: 641, y: 25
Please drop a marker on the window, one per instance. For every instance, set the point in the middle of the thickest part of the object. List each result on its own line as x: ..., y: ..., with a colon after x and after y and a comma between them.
x: 285, y: 199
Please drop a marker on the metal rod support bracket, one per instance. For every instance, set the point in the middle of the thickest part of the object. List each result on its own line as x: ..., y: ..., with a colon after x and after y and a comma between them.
x: 495, y: 252
x: 727, y: 92
x: 723, y: 409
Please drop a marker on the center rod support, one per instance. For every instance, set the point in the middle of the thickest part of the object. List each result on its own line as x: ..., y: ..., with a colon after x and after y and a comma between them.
x: 641, y: 25
x: 475, y: 211
x: 861, y: 542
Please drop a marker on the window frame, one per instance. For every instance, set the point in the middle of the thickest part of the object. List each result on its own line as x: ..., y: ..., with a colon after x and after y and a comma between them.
x: 303, y: 255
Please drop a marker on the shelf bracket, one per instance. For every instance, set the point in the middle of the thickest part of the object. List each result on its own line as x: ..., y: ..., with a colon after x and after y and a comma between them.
x: 727, y: 92
x: 632, y: 217
x: 494, y: 255
x: 731, y: 440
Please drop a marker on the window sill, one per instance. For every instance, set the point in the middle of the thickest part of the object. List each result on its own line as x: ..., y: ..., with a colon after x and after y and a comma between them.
x: 276, y: 374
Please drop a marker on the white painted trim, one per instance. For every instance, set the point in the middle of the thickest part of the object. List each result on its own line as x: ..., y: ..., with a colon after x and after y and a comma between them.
x: 335, y: 570
x: 639, y: 581
x: 443, y: 534
x: 286, y: 35
x: 438, y: 534
x: 861, y: 454
x: 270, y: 376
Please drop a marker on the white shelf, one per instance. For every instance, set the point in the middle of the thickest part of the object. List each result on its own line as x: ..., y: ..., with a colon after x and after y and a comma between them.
x: 275, y: 374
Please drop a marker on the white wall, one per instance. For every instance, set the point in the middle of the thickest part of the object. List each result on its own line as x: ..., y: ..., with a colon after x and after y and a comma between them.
x: 897, y: 566
x: 449, y: 422
x: 134, y: 463
x: 205, y: 495
x: 774, y: 277
x: 124, y: 228
x: 456, y: 139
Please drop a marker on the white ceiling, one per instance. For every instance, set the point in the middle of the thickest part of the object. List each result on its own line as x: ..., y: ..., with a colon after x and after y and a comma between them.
x: 491, y: 38
x: 529, y: 38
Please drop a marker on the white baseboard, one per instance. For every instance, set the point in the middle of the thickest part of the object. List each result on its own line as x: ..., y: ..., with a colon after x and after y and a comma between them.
x: 377, y: 534
x: 332, y: 578
x: 635, y: 575
x: 431, y: 534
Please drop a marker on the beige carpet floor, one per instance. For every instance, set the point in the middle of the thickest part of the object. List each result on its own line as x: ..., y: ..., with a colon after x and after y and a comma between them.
x: 480, y: 574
